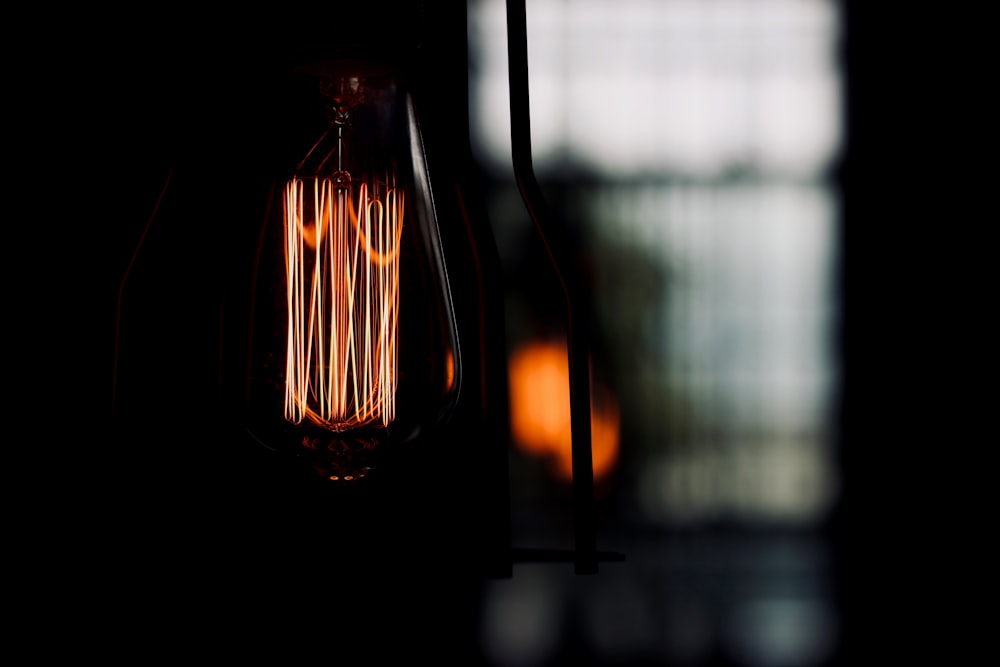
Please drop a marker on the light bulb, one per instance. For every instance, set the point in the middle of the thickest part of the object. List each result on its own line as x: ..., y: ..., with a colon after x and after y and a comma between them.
x: 354, y: 347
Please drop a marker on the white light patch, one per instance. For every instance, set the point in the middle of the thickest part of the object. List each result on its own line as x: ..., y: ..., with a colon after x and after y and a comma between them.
x: 635, y: 88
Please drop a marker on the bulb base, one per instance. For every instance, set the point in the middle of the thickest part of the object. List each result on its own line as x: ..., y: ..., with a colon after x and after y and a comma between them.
x: 343, y: 458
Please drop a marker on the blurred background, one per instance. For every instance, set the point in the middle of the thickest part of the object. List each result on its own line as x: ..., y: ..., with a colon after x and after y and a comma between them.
x: 693, y: 148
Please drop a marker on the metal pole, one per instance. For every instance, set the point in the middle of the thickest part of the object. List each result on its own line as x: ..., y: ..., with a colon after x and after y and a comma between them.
x: 578, y: 313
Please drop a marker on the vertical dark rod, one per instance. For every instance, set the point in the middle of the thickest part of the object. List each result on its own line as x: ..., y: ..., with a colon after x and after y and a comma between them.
x: 577, y: 304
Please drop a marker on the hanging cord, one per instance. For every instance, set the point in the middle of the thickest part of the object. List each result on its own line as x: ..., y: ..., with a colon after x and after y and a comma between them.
x: 121, y: 287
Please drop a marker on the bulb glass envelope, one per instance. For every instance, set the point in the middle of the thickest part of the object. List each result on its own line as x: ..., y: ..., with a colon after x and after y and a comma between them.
x: 355, y: 348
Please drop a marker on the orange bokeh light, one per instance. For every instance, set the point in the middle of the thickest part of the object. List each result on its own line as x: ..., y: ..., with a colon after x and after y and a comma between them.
x: 540, y: 410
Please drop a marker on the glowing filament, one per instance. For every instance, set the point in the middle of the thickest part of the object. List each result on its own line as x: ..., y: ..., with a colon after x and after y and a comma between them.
x: 342, y: 265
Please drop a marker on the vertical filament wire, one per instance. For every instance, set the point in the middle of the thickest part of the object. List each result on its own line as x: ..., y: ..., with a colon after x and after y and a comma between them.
x: 342, y: 267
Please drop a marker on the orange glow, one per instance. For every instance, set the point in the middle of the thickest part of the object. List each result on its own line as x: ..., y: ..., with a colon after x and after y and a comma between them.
x: 342, y: 265
x: 540, y: 410
x: 449, y: 370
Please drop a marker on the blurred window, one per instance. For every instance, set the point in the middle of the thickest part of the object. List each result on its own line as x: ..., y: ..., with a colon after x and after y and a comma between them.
x: 693, y: 143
